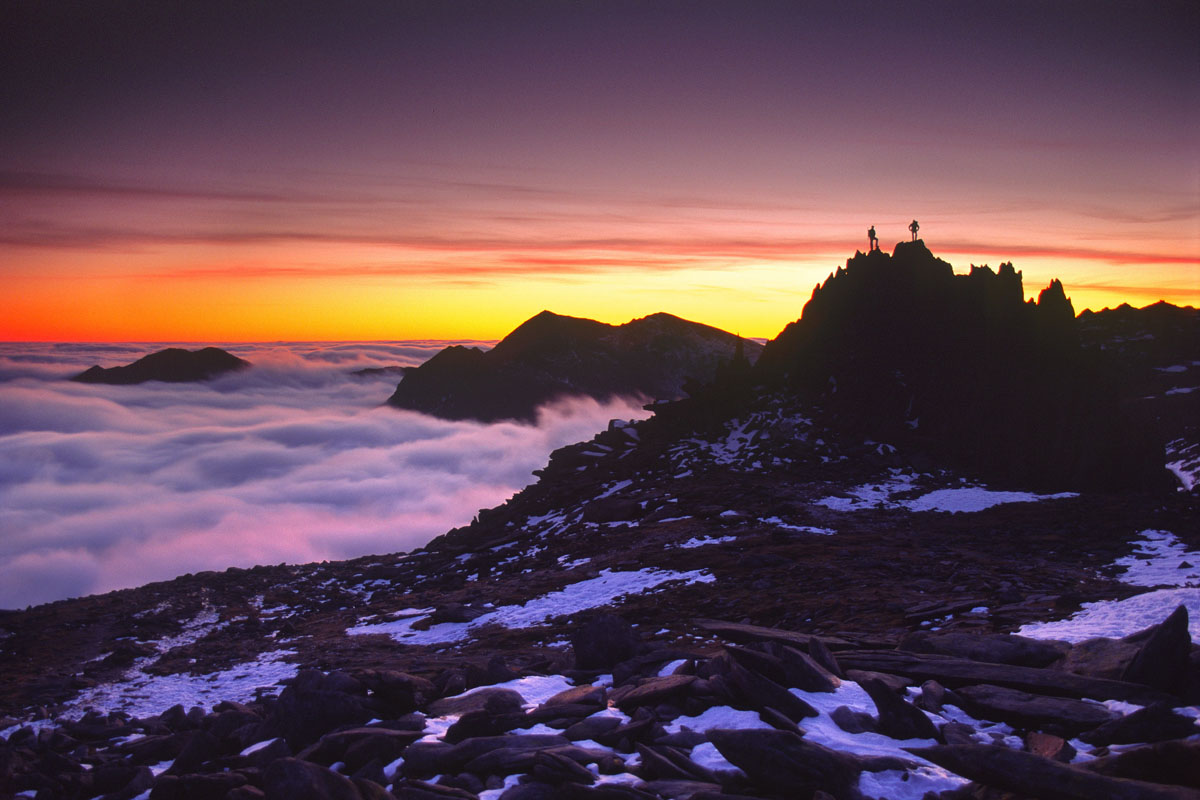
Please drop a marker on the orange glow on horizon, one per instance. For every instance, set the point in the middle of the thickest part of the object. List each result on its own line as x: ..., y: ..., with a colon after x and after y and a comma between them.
x: 291, y: 291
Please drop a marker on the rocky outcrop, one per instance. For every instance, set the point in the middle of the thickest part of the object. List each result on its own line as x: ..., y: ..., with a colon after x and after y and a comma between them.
x: 962, y: 367
x: 173, y: 365
x: 551, y: 356
x: 640, y: 737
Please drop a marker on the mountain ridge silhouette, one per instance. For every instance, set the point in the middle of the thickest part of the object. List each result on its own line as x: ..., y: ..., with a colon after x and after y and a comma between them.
x: 172, y: 365
x: 551, y: 355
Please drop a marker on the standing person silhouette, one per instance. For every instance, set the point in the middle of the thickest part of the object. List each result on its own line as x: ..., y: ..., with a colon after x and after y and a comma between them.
x: 914, y: 227
x: 872, y: 242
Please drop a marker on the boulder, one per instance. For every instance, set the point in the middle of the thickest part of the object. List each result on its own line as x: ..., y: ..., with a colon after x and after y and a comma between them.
x: 1100, y: 657
x: 203, y: 787
x: 805, y: 672
x: 293, y: 779
x: 200, y: 747
x: 478, y: 700
x: 784, y: 762
x: 555, y: 767
x: 993, y: 648
x: 583, y: 695
x: 399, y: 691
x: 521, y: 759
x: 604, y: 641
x: 682, y: 788
x: 650, y: 691
x: 409, y: 789
x: 470, y: 750
x: 1162, y: 662
x: 955, y: 672
x: 1049, y: 746
x: 316, y: 703
x: 669, y: 763
x: 357, y: 746
x: 1176, y: 762
x: 821, y: 654
x: 1154, y: 723
x: 852, y: 721
x: 760, y: 692
x: 591, y: 728
x: 898, y: 718
x: 1061, y: 716
x: 1029, y: 775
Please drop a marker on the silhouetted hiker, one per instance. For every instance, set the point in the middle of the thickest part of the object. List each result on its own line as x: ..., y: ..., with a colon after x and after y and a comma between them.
x: 914, y: 227
x: 872, y: 242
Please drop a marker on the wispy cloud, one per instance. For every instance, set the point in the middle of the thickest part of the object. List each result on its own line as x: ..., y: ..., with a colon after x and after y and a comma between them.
x: 1007, y: 252
x: 1145, y: 292
x: 27, y: 183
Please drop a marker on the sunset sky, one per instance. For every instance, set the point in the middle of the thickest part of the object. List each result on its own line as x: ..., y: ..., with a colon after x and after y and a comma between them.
x: 216, y: 171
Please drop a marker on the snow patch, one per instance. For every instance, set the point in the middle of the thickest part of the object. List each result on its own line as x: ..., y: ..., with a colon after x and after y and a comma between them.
x: 1114, y: 619
x: 975, y: 498
x: 142, y: 695
x: 716, y: 717
x: 701, y: 541
x: 963, y: 499
x: 535, y: 689
x: 1156, y: 562
x: 787, y: 526
x: 1159, y: 561
x: 602, y: 590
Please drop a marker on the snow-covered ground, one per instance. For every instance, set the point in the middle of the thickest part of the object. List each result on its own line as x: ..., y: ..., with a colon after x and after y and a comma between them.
x: 960, y: 499
x: 140, y: 693
x: 701, y: 541
x: 1161, y: 560
x: 606, y: 588
x: 144, y: 695
x: 1184, y: 463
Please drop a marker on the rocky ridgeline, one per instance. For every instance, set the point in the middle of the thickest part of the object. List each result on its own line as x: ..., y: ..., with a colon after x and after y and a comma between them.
x: 964, y: 368
x: 632, y: 720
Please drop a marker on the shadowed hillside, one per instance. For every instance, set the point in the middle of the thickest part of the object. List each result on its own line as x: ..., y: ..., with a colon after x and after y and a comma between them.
x: 551, y: 356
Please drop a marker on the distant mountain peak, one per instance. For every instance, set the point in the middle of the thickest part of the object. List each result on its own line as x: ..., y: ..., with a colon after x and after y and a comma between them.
x: 552, y: 355
x: 172, y: 365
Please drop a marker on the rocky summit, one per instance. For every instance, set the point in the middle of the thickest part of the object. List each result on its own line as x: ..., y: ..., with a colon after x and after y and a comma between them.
x: 753, y: 593
x: 173, y: 365
x: 551, y: 356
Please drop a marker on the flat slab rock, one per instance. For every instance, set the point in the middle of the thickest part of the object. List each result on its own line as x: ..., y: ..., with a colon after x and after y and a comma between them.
x: 956, y: 672
x: 1033, y: 776
x: 650, y: 691
x: 1001, y: 648
x: 740, y: 632
x: 1059, y: 715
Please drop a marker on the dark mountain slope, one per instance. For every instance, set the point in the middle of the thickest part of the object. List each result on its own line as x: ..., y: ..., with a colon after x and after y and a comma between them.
x: 960, y: 368
x: 551, y: 356
x: 173, y: 365
x: 1154, y: 354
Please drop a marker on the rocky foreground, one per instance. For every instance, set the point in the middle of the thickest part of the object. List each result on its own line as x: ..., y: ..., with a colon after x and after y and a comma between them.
x: 757, y: 612
x: 781, y: 715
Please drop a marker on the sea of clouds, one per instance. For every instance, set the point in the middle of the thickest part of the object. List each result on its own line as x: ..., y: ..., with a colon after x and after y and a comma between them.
x: 293, y: 460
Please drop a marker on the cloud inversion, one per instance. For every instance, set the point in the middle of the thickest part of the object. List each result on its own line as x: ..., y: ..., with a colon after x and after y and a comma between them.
x: 104, y: 487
